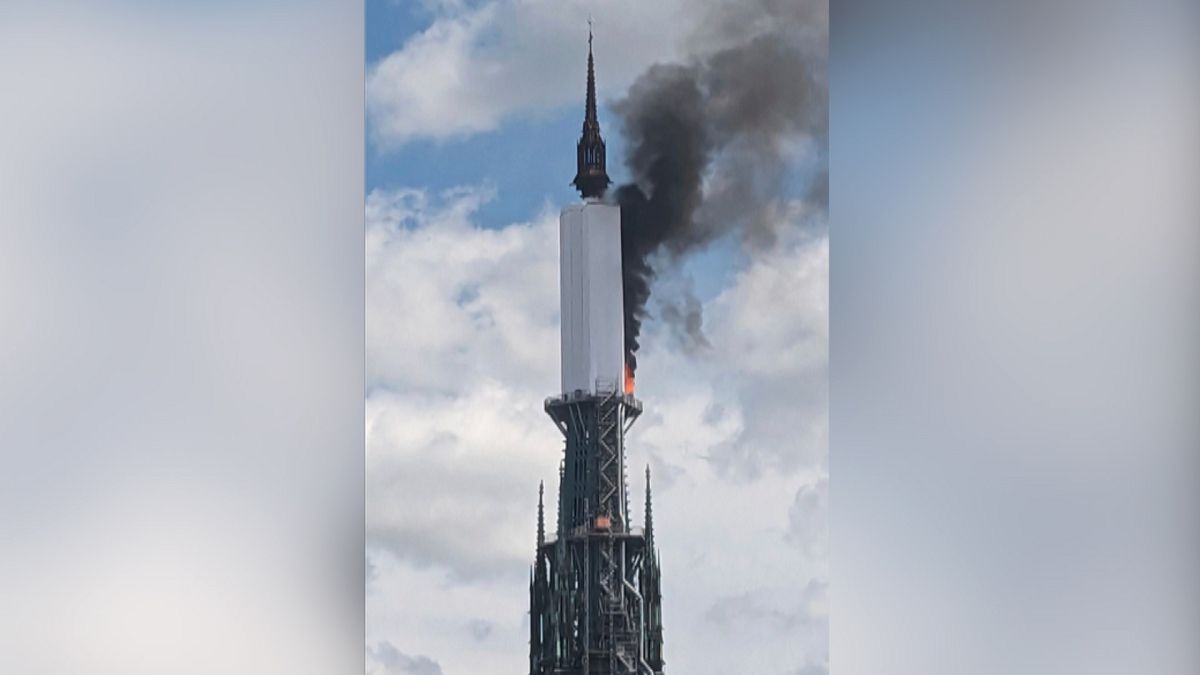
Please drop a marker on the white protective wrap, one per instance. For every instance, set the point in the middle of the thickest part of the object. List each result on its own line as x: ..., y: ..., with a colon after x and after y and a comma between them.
x: 593, y: 322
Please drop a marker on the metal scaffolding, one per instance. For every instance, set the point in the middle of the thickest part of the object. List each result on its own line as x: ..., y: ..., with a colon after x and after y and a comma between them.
x: 595, y: 601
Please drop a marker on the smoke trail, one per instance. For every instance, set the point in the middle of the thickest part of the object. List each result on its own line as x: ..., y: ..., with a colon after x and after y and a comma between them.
x: 685, y: 317
x: 707, y: 144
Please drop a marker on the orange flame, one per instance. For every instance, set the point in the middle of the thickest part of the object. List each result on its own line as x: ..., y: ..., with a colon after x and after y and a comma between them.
x: 628, y: 380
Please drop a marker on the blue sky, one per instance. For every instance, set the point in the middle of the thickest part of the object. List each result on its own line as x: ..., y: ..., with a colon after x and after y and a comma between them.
x: 530, y: 163
x: 528, y: 160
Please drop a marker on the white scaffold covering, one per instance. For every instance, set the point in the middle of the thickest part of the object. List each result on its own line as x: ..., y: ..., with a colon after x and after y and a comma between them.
x: 593, y: 322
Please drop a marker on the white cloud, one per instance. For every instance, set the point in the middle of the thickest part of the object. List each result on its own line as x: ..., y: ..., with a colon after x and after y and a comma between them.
x: 773, y: 320
x: 183, y: 326
x: 742, y: 427
x: 450, y: 304
x: 473, y: 68
x: 462, y: 347
x: 385, y: 659
x: 452, y: 479
x: 770, y: 332
x: 764, y: 372
x: 425, y: 612
x: 808, y: 519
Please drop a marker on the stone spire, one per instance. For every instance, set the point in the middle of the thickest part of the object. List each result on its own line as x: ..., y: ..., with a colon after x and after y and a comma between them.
x: 591, y: 176
x: 558, y: 517
x: 649, y: 514
x: 589, y: 115
x: 541, y: 531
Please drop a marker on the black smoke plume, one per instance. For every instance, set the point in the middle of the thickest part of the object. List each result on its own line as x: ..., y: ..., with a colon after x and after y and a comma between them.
x: 707, y: 143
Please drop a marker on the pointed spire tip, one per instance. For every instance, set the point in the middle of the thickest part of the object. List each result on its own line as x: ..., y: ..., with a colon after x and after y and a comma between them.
x: 591, y: 177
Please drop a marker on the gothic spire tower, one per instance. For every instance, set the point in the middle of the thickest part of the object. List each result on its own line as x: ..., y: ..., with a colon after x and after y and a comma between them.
x: 591, y: 175
x: 594, y: 590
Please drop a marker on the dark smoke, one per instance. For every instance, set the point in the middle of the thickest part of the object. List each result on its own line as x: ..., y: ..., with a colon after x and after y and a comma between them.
x: 706, y: 147
x: 685, y: 317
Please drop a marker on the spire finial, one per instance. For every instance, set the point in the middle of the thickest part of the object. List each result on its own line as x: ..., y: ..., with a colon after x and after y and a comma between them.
x: 591, y: 177
x: 541, y: 525
x: 589, y: 115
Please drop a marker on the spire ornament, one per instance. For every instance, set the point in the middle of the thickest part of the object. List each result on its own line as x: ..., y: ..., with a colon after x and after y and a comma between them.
x: 541, y: 531
x: 591, y: 176
x: 649, y: 514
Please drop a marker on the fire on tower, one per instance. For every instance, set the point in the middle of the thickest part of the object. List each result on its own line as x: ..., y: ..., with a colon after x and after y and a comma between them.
x: 595, y: 597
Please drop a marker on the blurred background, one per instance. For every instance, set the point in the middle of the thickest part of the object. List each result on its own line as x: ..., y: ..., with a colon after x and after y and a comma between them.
x: 1015, y: 333
x: 181, y: 358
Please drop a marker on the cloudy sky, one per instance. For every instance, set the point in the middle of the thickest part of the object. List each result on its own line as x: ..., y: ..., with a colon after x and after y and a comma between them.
x: 473, y: 111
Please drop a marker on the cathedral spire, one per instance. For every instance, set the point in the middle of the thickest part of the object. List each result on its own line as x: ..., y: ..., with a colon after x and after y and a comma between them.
x: 589, y: 113
x: 591, y: 177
